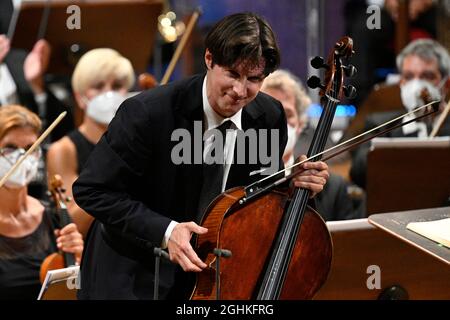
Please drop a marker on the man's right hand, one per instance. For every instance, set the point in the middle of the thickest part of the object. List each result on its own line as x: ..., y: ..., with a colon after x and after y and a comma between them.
x: 180, y: 249
x: 4, y: 47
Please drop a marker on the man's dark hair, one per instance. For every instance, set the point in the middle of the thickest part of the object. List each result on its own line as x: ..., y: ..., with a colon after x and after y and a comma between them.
x: 243, y: 37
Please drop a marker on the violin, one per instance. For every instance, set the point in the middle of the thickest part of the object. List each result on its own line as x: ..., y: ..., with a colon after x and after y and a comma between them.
x: 58, y: 260
x: 280, y: 247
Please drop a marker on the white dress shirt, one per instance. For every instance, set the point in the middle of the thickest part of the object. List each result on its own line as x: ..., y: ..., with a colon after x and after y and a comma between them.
x: 8, y: 93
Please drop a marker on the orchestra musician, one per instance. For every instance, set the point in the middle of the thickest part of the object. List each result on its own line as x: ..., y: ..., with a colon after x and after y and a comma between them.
x: 100, y: 81
x: 141, y: 198
x: 22, y: 81
x: 423, y: 64
x: 27, y: 236
x: 333, y: 203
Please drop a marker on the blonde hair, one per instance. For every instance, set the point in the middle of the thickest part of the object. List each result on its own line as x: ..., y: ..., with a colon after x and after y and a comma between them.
x: 285, y: 81
x: 15, y: 116
x: 101, y: 65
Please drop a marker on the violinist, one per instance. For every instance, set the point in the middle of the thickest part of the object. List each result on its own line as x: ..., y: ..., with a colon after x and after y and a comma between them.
x: 22, y: 81
x: 423, y: 64
x: 142, y: 198
x: 100, y: 82
x: 27, y: 236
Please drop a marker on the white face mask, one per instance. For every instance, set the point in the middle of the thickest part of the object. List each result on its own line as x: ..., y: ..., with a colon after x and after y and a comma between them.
x: 103, y: 107
x: 24, y: 173
x: 411, y: 90
x: 292, y: 138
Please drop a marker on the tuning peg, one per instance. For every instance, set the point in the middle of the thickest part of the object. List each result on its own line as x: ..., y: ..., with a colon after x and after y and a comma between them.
x: 350, y: 70
x: 318, y: 62
x: 314, y: 83
x: 350, y: 91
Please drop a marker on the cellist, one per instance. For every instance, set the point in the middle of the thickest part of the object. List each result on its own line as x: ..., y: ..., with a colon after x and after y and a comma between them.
x: 26, y: 229
x: 148, y: 182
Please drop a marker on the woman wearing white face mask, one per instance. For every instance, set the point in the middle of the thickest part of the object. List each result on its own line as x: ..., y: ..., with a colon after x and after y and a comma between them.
x: 100, y: 83
x: 26, y: 232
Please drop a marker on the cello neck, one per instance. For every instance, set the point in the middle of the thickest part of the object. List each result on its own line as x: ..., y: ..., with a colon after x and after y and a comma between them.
x: 288, y: 232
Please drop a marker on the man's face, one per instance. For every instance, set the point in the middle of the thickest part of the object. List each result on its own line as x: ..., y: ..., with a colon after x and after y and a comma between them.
x: 229, y: 89
x: 415, y: 67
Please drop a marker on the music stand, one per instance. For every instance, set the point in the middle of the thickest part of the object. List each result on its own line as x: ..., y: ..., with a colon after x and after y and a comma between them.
x: 395, y: 224
x: 60, y: 284
x: 408, y: 174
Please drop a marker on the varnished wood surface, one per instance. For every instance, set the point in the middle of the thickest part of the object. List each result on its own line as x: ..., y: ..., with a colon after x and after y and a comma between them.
x: 249, y: 234
x: 357, y: 245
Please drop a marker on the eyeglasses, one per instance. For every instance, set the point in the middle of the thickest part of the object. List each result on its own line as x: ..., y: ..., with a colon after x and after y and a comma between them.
x: 9, y: 152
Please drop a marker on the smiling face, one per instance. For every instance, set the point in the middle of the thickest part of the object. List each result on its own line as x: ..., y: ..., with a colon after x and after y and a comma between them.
x: 229, y: 89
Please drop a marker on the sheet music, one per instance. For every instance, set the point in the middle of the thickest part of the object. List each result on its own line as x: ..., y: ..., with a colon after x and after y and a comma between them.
x: 437, y: 230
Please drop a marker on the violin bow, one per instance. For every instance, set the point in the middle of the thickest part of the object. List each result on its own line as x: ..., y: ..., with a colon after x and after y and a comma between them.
x: 17, y: 4
x: 181, y: 45
x: 44, y: 21
x: 440, y: 121
x: 253, y: 189
x: 33, y: 147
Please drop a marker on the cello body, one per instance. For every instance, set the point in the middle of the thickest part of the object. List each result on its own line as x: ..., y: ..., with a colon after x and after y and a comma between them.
x: 259, y: 221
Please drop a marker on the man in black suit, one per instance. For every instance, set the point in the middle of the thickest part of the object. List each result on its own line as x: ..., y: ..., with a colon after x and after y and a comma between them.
x: 143, y: 196
x: 422, y: 64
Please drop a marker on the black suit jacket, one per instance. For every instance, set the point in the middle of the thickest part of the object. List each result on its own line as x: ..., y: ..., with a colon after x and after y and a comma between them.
x: 133, y: 189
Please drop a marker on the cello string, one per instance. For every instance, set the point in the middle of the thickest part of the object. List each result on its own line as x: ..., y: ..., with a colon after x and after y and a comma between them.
x: 285, y: 241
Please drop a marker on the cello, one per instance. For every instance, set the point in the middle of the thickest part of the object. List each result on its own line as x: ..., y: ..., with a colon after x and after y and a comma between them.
x: 283, y: 249
x: 58, y: 260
